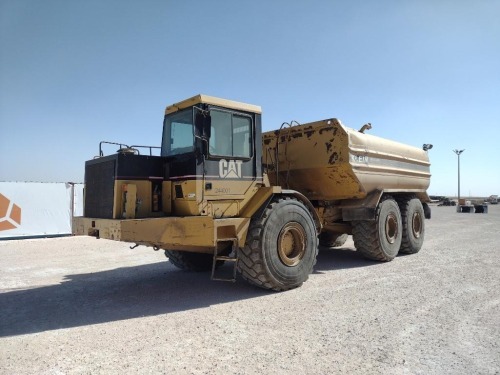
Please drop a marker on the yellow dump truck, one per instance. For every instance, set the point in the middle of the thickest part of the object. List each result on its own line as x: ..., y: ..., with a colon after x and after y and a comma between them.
x: 223, y: 191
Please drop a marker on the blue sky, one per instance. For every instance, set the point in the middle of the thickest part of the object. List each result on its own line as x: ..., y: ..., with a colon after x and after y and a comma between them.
x: 73, y: 73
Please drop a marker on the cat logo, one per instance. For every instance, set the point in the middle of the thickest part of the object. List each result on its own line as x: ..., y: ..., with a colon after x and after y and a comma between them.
x: 230, y: 168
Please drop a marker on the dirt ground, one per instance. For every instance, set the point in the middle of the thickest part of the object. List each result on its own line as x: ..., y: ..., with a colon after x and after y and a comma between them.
x: 85, y: 306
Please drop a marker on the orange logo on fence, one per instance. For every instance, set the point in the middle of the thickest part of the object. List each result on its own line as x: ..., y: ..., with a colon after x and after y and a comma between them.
x: 10, y: 214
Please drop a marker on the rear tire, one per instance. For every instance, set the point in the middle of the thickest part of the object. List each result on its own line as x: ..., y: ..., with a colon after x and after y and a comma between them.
x: 328, y: 239
x: 197, y: 262
x: 380, y: 239
x: 413, y: 219
x: 281, y: 247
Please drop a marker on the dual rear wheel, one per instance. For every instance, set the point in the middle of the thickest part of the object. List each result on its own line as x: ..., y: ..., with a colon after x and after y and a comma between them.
x: 398, y: 228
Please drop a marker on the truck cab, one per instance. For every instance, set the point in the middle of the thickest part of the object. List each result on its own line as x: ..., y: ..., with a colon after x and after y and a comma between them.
x: 212, y: 156
x: 209, y: 169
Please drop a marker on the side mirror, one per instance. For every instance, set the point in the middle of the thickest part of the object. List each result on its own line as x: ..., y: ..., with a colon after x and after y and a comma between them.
x: 199, y: 121
x: 202, y: 124
x: 207, y: 126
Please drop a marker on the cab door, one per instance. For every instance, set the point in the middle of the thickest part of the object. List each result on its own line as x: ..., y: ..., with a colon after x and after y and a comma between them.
x: 230, y: 166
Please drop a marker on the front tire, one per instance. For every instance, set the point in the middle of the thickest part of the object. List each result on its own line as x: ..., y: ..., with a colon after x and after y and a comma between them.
x: 281, y: 247
x: 380, y: 239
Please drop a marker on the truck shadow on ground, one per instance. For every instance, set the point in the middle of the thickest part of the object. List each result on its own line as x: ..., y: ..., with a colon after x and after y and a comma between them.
x: 341, y: 258
x: 112, y: 295
x: 132, y: 292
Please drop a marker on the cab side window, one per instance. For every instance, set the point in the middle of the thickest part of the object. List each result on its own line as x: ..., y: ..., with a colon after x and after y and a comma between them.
x: 231, y: 135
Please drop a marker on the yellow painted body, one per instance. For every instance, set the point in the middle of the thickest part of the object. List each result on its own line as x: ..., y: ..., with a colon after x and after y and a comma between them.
x: 134, y: 199
x: 186, y: 233
x: 195, y: 233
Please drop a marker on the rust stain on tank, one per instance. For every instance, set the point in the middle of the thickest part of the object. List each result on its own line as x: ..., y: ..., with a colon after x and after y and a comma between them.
x: 333, y: 128
x: 309, y: 133
x: 333, y: 158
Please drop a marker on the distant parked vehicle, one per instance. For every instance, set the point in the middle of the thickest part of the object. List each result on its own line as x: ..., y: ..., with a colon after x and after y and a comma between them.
x: 447, y: 202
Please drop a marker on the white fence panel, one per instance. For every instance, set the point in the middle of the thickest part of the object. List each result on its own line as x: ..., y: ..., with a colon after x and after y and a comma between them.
x: 30, y: 209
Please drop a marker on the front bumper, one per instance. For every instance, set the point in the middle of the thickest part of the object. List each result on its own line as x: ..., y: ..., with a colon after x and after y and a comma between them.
x: 193, y: 233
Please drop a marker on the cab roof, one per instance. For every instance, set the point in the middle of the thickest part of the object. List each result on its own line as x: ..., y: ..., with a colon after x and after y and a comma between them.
x: 205, y: 99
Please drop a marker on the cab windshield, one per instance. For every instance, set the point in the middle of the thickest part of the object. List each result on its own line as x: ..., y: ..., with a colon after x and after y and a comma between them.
x: 178, y: 133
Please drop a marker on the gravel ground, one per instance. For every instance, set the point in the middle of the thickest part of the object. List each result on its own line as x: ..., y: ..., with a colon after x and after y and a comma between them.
x: 85, y: 306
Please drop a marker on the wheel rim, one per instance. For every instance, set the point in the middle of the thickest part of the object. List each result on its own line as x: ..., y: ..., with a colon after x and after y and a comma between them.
x: 416, y: 225
x: 292, y: 244
x: 391, y: 228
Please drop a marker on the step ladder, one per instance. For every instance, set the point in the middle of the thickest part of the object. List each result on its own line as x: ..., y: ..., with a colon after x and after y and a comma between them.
x: 232, y: 257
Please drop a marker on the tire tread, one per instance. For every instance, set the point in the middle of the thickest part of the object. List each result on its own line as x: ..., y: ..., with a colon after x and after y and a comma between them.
x: 366, y: 237
x: 250, y: 258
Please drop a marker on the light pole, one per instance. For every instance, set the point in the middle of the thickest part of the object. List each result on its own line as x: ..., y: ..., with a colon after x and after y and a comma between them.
x: 458, y: 152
